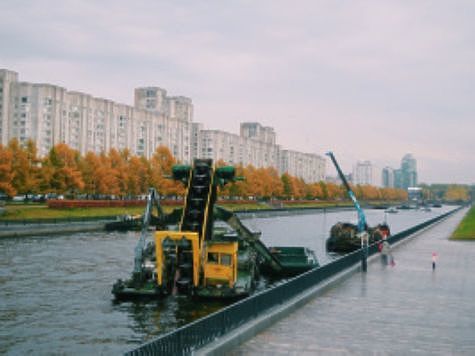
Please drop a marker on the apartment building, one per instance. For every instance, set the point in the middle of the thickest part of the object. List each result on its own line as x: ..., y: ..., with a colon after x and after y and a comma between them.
x: 236, y: 149
x: 50, y: 114
x: 310, y: 167
x: 256, y: 146
x: 365, y: 173
x: 388, y: 176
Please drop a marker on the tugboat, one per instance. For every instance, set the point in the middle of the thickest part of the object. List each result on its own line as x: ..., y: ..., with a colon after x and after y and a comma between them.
x: 198, y: 258
x: 346, y: 237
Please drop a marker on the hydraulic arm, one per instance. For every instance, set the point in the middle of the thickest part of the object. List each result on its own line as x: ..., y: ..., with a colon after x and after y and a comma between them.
x: 361, y: 215
x: 152, y: 200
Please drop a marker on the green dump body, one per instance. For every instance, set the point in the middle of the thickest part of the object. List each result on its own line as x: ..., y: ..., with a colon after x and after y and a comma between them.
x: 294, y: 260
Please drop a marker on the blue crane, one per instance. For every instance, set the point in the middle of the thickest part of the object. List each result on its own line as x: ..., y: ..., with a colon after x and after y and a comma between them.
x: 362, y: 227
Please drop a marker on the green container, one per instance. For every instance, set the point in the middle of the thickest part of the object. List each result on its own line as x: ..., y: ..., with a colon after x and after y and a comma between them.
x: 226, y: 172
x: 181, y: 171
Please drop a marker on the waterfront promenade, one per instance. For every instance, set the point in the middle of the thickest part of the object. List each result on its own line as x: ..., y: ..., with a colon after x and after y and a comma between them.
x: 400, y: 310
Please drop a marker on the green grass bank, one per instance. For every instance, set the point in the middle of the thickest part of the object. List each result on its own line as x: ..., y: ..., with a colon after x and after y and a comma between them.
x: 466, y: 229
x: 41, y: 211
x: 36, y: 211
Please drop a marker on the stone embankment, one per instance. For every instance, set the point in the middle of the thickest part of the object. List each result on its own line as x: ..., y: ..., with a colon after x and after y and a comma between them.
x: 23, y: 230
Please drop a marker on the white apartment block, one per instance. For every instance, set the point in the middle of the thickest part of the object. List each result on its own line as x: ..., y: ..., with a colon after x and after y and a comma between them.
x: 155, y: 99
x: 258, y: 150
x: 310, y: 167
x: 258, y: 132
x: 364, y: 173
x: 236, y: 149
x: 49, y: 115
x: 6, y: 79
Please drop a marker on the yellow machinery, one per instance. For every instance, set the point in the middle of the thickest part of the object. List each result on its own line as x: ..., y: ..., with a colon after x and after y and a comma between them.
x: 191, y: 258
x: 199, y: 258
x: 183, y: 245
x: 220, y: 265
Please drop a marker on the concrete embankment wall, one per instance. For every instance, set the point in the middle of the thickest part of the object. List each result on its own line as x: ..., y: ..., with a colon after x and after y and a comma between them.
x: 49, y: 229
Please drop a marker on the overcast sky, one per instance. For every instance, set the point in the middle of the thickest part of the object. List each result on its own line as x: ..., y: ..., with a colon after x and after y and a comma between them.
x: 370, y: 80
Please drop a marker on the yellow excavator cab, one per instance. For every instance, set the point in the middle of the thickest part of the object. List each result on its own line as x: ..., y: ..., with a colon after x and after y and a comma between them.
x: 220, y: 265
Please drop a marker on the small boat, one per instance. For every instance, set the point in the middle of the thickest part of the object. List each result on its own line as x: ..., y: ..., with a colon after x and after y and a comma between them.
x: 391, y: 210
x: 125, y: 223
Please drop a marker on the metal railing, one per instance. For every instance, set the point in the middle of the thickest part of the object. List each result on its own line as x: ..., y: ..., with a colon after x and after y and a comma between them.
x: 196, y: 334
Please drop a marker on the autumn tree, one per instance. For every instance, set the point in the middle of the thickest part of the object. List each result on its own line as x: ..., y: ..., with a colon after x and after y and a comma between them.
x: 298, y: 187
x: 98, y: 175
x: 317, y: 192
x: 252, y: 180
x: 6, y: 171
x: 286, y: 185
x: 334, y: 191
x: 161, y: 172
x: 116, y: 165
x: 61, y: 170
x: 273, y: 186
x: 139, y: 175
x: 237, y: 188
x: 25, y: 167
x: 324, y: 190
x: 456, y: 193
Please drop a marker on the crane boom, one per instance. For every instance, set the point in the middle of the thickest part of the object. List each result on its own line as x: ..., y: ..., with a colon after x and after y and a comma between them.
x: 361, y: 215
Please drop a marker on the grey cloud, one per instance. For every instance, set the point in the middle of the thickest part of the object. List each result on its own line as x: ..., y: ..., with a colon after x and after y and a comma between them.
x: 373, y: 79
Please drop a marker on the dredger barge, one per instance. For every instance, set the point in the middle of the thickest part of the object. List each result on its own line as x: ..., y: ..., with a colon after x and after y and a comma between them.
x: 201, y: 258
x: 347, y: 237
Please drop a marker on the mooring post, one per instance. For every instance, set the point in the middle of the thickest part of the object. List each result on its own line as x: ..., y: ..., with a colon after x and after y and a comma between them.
x: 364, y: 250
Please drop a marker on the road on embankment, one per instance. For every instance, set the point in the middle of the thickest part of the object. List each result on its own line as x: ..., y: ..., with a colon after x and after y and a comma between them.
x: 400, y: 310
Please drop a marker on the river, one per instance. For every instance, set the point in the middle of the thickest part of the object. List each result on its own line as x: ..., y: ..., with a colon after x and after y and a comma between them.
x: 55, y: 291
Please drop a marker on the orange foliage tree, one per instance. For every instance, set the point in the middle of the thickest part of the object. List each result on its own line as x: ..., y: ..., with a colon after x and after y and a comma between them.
x: 61, y: 170
x: 6, y: 171
x: 25, y: 166
x: 122, y: 174
x: 161, y: 172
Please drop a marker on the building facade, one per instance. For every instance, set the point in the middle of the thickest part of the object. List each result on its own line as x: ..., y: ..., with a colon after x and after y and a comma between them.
x: 387, y: 176
x: 403, y: 177
x: 256, y: 131
x: 310, y: 167
x: 408, y: 171
x: 256, y: 146
x: 364, y: 173
x: 49, y: 114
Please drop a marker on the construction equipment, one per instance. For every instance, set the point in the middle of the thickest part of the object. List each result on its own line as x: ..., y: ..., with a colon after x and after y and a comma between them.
x: 346, y: 237
x: 199, y: 258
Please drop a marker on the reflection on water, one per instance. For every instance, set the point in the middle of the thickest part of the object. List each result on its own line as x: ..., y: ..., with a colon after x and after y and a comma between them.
x: 55, y: 291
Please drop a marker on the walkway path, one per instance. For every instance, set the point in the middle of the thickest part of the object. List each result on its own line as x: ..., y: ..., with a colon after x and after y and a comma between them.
x: 400, y: 310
